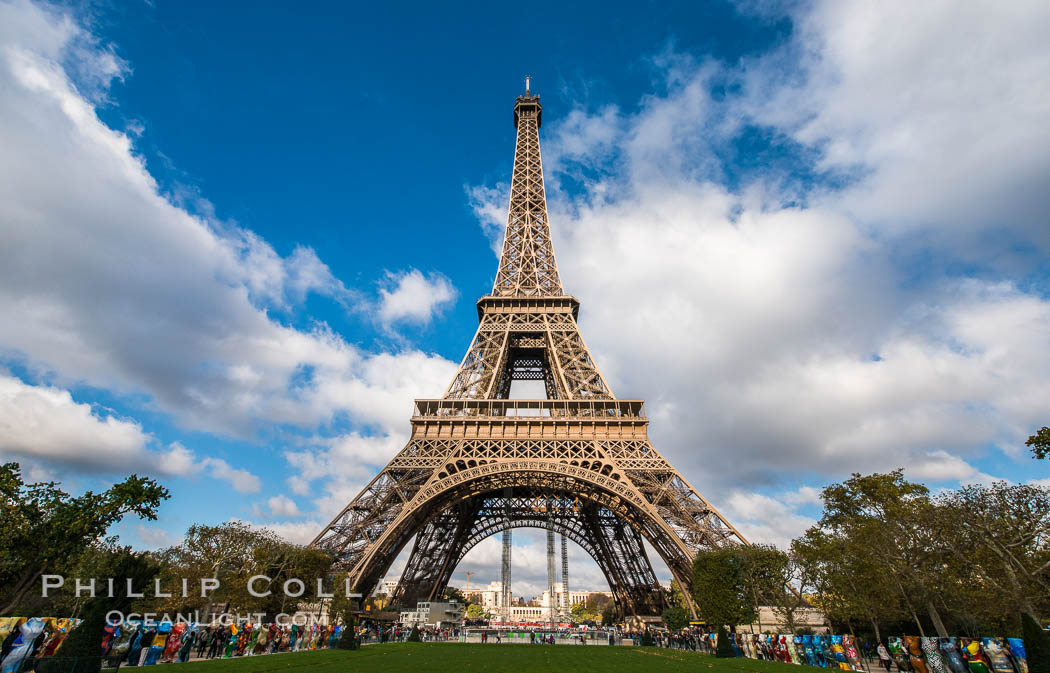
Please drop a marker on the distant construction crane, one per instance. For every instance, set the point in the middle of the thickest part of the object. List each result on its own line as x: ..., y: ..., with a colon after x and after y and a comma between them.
x: 468, y: 573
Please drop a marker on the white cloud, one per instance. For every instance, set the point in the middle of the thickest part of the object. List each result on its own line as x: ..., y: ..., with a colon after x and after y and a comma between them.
x: 940, y: 104
x: 242, y: 481
x: 805, y: 495
x: 781, y: 331
x: 296, y: 532
x: 282, y: 505
x: 115, y: 286
x: 413, y: 297
x: 767, y: 519
x: 45, y: 423
x: 155, y: 537
x: 490, y: 207
x: 353, y: 457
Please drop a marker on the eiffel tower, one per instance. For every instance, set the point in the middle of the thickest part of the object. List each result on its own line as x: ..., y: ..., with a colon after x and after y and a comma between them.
x: 478, y: 463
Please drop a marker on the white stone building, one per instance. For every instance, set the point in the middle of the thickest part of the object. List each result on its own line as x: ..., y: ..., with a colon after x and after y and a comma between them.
x: 574, y: 596
x: 489, y: 597
x: 434, y: 613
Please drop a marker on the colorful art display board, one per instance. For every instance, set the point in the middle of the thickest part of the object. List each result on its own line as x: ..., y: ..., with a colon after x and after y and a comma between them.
x: 912, y: 654
x: 136, y: 644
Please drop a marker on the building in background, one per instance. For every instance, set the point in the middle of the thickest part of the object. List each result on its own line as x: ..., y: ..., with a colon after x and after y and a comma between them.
x: 575, y: 596
x: 434, y: 613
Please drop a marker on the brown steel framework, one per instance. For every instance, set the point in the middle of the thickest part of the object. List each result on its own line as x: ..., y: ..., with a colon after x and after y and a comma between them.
x: 477, y: 463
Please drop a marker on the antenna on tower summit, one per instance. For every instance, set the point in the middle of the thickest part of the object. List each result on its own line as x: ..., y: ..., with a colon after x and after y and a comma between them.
x: 527, y: 85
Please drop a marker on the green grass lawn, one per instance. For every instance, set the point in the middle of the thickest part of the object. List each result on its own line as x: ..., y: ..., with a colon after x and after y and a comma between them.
x: 492, y: 658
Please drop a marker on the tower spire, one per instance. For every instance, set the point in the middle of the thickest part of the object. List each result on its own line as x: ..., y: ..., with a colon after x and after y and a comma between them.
x: 527, y: 266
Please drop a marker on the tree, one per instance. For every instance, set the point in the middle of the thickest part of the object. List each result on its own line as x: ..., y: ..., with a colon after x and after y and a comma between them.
x: 581, y: 613
x: 847, y: 583
x: 763, y: 575
x: 233, y: 553
x: 1036, y: 645
x: 42, y: 526
x: 475, y: 611
x: 381, y: 600
x: 85, y: 641
x: 1040, y: 443
x: 723, y: 648
x: 342, y: 607
x: 717, y: 587
x: 887, y: 515
x: 1004, y: 530
x: 787, y: 597
x: 675, y: 618
x: 596, y: 603
x: 454, y: 594
x: 348, y: 640
x: 610, y: 615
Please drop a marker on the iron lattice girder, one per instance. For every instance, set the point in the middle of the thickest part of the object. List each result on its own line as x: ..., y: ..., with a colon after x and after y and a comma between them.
x: 527, y: 264
x: 613, y: 491
x: 615, y: 546
x: 474, y: 444
x: 548, y: 333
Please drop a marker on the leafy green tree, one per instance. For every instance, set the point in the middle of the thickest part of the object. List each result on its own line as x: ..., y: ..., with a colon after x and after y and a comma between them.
x: 44, y: 527
x: 763, y: 572
x: 475, y: 611
x: 348, y: 640
x: 610, y: 615
x: 454, y: 594
x: 1040, y: 443
x: 581, y: 613
x: 717, y: 587
x: 1004, y: 530
x: 342, y: 607
x: 723, y: 648
x: 888, y: 515
x: 675, y: 618
x: 233, y: 553
x: 1036, y: 645
x: 596, y: 603
x: 847, y: 584
x: 85, y: 641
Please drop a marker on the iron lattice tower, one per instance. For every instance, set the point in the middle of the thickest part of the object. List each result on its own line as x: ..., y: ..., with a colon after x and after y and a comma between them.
x: 477, y: 461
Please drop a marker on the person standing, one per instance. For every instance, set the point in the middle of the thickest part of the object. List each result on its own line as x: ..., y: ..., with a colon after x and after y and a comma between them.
x: 884, y: 656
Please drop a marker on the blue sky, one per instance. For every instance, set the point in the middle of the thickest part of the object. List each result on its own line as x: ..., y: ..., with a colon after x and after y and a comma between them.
x: 243, y: 237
